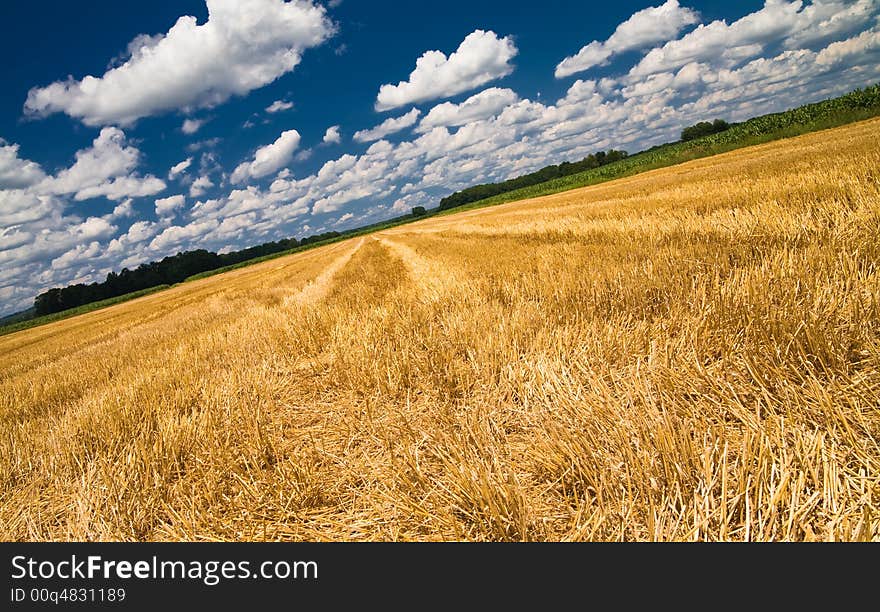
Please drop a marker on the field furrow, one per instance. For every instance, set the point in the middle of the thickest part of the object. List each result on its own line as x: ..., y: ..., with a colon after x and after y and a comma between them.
x: 435, y: 280
x: 318, y: 288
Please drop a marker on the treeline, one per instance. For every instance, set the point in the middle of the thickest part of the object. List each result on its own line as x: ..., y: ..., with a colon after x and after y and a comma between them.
x: 168, y: 271
x: 481, y: 192
x: 704, y: 128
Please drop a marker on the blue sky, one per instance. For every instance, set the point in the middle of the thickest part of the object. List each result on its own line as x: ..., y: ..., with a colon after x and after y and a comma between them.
x: 132, y: 131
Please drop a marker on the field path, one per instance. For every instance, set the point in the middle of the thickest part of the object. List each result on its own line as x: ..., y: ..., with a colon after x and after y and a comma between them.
x: 317, y: 289
x: 434, y: 278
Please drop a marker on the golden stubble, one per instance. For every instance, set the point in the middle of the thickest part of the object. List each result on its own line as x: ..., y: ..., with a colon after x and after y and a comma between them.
x: 687, y: 354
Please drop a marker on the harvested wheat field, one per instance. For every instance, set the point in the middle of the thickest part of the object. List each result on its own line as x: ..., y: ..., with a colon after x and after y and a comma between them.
x: 688, y: 354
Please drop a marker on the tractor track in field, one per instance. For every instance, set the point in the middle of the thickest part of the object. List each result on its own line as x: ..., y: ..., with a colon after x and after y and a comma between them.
x: 434, y: 279
x: 315, y: 290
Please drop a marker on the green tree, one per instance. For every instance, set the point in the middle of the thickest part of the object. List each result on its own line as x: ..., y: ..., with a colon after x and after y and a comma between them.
x: 704, y: 128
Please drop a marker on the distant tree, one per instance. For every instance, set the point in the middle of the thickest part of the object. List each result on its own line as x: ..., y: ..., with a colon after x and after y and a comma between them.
x: 704, y: 128
x: 419, y: 211
x: 319, y: 238
x: 168, y: 271
x: 48, y: 302
x: 481, y: 192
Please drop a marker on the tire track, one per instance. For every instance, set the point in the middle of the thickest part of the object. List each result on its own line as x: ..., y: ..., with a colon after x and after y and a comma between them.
x: 315, y: 290
x: 434, y: 279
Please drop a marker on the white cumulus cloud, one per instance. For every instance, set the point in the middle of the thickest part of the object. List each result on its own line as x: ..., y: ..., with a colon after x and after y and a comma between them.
x: 791, y: 24
x: 332, y: 135
x: 824, y: 20
x: 200, y: 186
x: 483, y: 105
x: 244, y: 45
x: 481, y: 57
x: 389, y: 126
x: 175, y: 236
x: 123, y: 209
x: 179, y: 169
x: 104, y: 169
x: 191, y: 126
x: 269, y: 159
x: 166, y: 207
x: 16, y: 173
x: 76, y: 255
x: 646, y: 27
x: 278, y: 106
x: 864, y: 43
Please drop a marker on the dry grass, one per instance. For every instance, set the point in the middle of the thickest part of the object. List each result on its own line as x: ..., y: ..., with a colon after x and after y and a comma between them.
x: 688, y: 354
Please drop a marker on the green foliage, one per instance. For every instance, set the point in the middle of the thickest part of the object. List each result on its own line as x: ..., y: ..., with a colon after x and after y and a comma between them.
x: 480, y: 192
x: 704, y: 128
x: 319, y: 238
x: 169, y: 271
x: 419, y: 211
x: 166, y: 272
x: 17, y: 317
